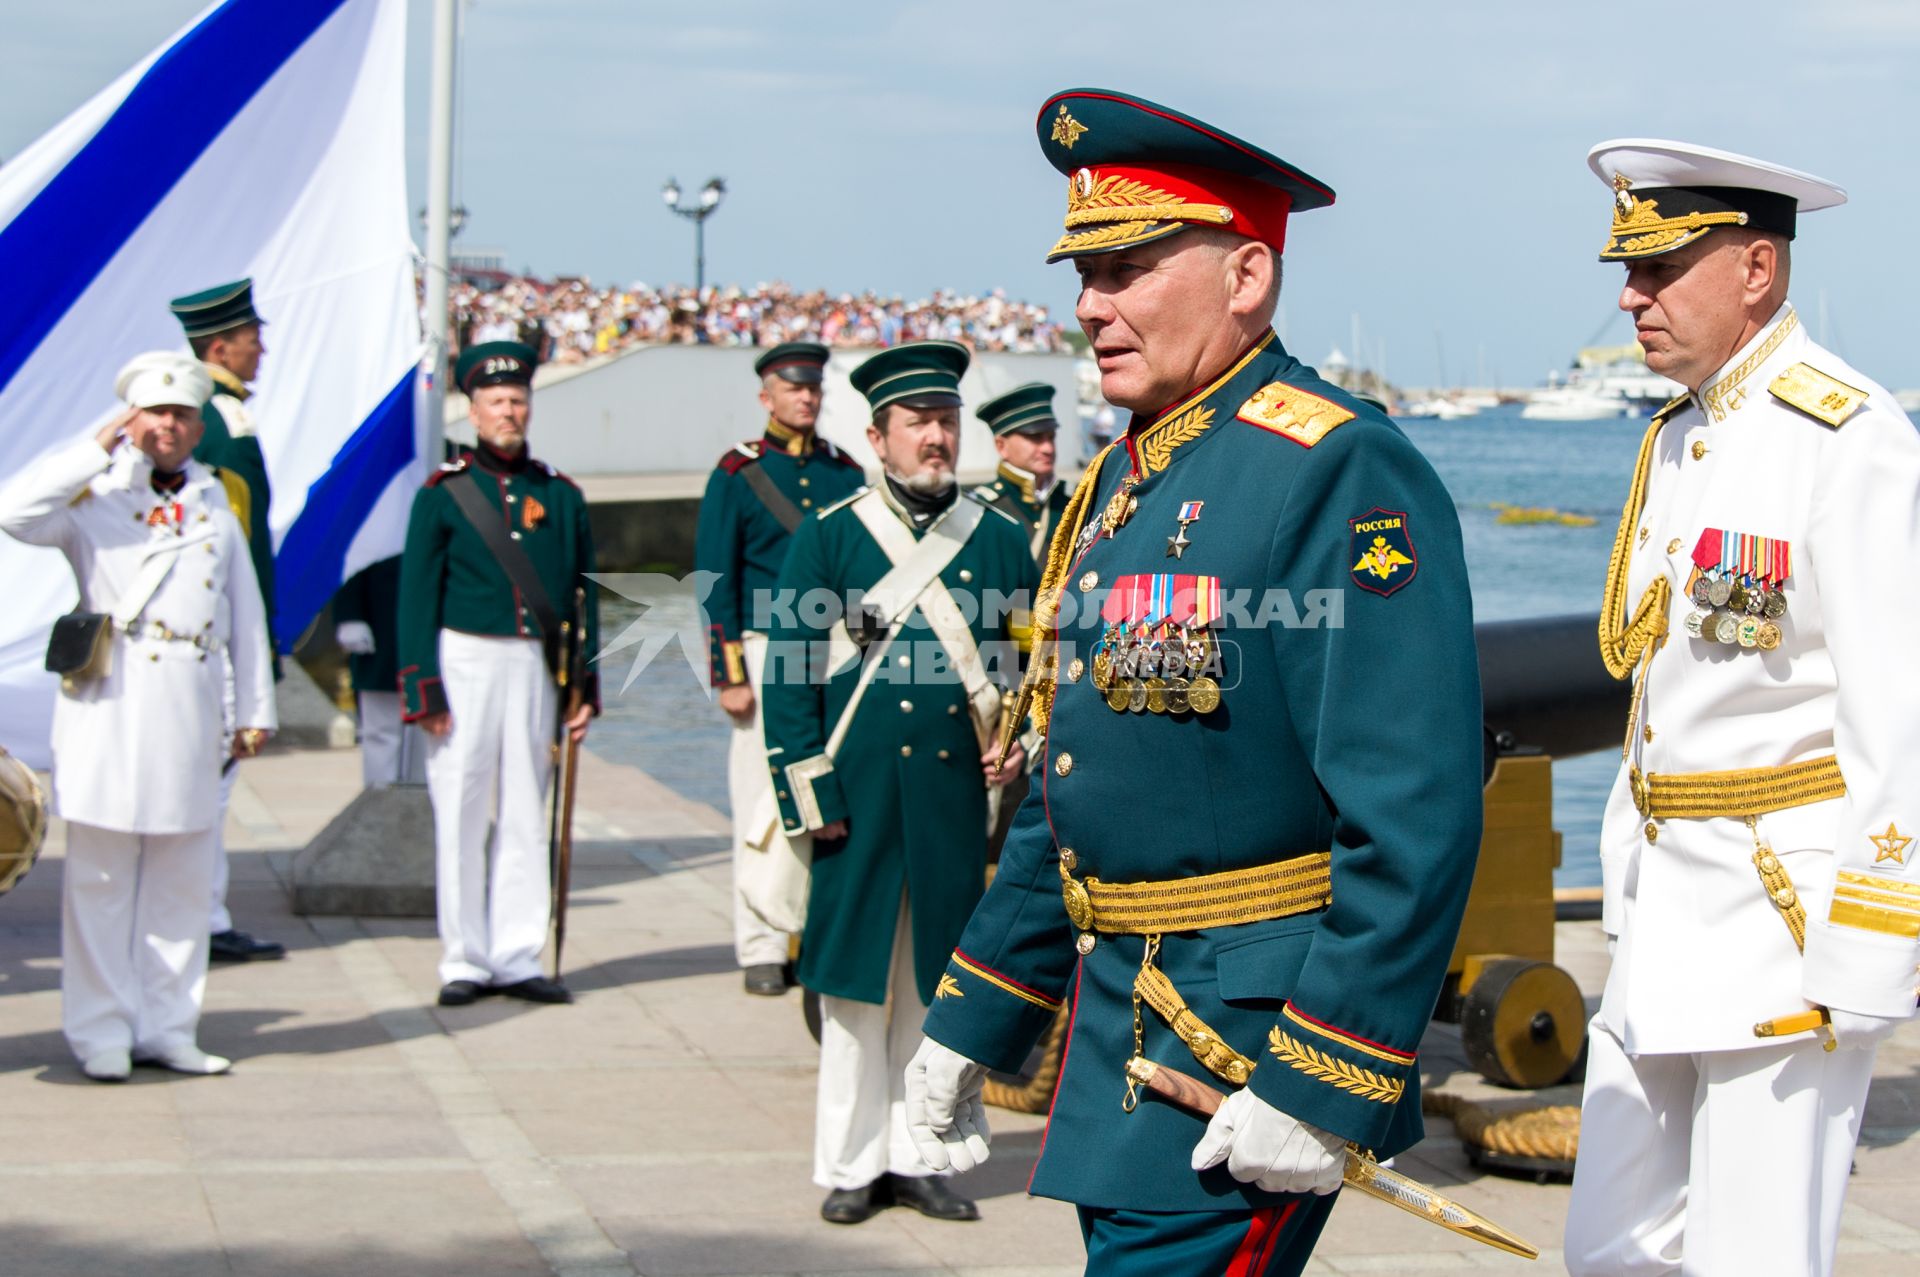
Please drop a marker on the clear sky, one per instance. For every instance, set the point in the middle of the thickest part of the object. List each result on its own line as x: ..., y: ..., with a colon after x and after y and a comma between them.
x: 890, y: 145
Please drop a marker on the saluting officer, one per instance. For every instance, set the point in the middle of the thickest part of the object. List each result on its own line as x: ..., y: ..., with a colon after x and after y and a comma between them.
x: 755, y: 499
x: 1757, y: 848
x: 223, y: 328
x: 1025, y: 485
x: 138, y: 740
x: 496, y: 548
x: 1259, y: 794
x: 882, y: 759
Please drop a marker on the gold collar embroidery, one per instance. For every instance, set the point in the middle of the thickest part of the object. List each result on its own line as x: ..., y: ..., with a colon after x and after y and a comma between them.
x: 1186, y: 420
x: 1724, y: 394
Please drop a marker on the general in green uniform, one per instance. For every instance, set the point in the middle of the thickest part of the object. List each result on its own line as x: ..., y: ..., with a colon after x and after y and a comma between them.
x: 1258, y: 805
x: 223, y: 330
x: 758, y: 494
x: 476, y: 673
x: 876, y: 727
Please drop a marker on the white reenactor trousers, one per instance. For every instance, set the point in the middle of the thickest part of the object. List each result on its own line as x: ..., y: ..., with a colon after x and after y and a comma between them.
x: 391, y: 752
x: 133, y: 939
x: 492, y: 767
x: 860, y: 1116
x: 1724, y: 1162
x: 750, y: 791
x: 219, y: 917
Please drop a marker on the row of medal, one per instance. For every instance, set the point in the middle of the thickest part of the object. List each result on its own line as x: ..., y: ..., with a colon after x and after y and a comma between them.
x: 1738, y: 589
x: 1156, y: 654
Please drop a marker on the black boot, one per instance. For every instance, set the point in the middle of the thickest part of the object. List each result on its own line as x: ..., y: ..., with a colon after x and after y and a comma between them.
x: 930, y: 1195
x: 850, y: 1205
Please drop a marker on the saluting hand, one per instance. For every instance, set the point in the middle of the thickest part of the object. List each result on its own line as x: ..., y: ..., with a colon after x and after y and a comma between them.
x: 109, y: 435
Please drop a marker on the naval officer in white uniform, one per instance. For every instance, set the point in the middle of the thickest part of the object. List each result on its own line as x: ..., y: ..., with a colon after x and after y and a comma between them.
x: 1757, y: 847
x: 137, y: 751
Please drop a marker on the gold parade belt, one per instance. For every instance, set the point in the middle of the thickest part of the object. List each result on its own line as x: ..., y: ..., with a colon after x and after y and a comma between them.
x: 1155, y: 909
x: 1227, y: 899
x: 1750, y: 791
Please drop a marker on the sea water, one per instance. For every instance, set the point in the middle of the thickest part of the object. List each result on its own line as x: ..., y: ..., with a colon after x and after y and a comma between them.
x: 665, y: 724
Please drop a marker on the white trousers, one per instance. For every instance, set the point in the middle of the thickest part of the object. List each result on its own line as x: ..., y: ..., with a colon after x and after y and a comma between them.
x: 390, y: 751
x: 492, y: 767
x: 860, y: 1120
x: 1726, y: 1162
x: 218, y: 917
x: 750, y: 791
x: 133, y: 939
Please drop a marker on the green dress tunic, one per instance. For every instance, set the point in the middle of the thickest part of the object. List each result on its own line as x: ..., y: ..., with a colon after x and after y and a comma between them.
x: 449, y: 579
x: 907, y: 778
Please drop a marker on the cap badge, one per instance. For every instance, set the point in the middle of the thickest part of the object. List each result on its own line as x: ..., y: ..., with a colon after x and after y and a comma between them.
x: 1066, y: 129
x: 166, y: 379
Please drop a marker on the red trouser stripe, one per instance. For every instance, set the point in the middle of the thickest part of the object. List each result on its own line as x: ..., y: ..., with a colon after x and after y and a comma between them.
x: 1256, y: 1248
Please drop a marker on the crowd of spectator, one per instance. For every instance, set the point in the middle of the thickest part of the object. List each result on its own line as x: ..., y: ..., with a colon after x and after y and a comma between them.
x: 570, y: 321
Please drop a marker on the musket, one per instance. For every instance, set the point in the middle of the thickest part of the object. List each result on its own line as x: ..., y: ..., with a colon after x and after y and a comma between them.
x: 566, y: 757
x: 1362, y: 1173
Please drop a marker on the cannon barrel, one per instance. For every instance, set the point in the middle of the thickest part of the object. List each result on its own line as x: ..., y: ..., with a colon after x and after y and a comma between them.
x: 1543, y: 686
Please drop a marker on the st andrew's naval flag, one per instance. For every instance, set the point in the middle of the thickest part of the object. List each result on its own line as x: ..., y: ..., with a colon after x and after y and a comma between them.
x: 266, y: 140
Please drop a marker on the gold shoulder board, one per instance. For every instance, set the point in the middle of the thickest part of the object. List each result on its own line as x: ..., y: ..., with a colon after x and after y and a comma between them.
x: 1293, y: 414
x: 1819, y: 396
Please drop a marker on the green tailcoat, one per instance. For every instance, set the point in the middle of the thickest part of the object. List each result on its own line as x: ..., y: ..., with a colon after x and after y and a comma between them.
x: 241, y: 455
x: 908, y: 777
x: 1348, y: 722
x: 1012, y: 492
x: 741, y: 542
x: 372, y: 596
x: 449, y: 579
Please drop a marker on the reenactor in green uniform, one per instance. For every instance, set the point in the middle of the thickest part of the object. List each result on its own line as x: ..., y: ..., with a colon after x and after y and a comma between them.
x: 223, y: 329
x: 1258, y: 802
x: 878, y: 731
x: 366, y: 615
x: 497, y: 553
x: 756, y: 497
x: 1026, y: 485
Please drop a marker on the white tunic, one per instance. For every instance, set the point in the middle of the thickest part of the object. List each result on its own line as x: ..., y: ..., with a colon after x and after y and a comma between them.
x: 140, y: 750
x: 1703, y: 954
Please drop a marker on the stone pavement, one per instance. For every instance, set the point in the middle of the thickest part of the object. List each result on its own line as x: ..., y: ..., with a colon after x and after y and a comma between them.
x: 662, y: 1125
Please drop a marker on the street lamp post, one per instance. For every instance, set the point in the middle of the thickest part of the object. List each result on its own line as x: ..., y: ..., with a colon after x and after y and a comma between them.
x: 698, y: 213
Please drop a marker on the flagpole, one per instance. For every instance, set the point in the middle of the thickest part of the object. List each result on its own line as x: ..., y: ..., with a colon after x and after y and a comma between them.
x: 439, y: 224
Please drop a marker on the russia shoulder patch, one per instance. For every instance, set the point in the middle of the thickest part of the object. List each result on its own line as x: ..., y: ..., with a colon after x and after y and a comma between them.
x: 1813, y: 392
x: 1384, y: 557
x: 1293, y: 414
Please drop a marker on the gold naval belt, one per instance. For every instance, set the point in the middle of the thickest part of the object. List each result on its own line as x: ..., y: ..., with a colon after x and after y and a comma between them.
x: 1745, y: 794
x: 1155, y: 909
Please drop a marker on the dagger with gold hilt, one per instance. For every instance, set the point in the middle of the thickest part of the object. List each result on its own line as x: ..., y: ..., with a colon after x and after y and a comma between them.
x: 1362, y: 1174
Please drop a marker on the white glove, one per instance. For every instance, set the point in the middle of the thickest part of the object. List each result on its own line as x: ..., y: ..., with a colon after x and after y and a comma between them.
x: 945, y: 1117
x: 1266, y: 1148
x: 1852, y: 1029
x: 354, y: 637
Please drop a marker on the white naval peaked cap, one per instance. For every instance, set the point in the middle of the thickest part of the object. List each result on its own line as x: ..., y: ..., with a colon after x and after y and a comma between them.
x: 1668, y: 194
x: 163, y: 377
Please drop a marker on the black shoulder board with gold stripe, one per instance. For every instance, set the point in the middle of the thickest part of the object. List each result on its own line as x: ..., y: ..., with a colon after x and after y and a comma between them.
x: 1815, y: 393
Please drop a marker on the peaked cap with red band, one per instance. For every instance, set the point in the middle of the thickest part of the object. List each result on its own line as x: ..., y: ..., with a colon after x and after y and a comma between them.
x: 1137, y: 172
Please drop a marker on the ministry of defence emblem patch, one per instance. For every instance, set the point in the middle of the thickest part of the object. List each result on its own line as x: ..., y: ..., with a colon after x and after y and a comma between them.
x: 1383, y: 553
